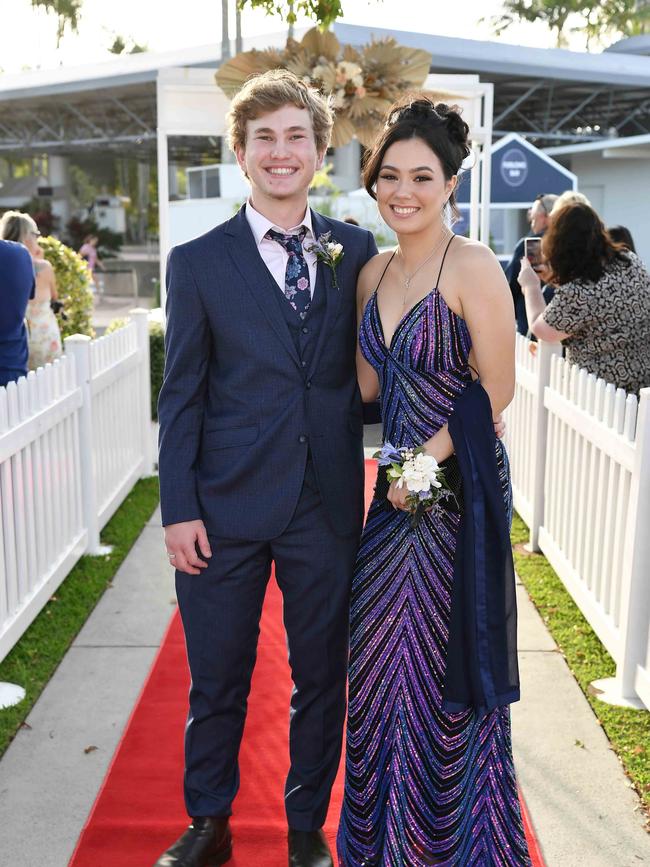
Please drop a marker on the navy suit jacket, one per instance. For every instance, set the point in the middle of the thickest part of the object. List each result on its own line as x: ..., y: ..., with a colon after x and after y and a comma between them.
x: 238, y: 412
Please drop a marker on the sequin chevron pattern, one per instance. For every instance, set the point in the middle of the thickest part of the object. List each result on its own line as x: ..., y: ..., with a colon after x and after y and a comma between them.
x: 423, y: 787
x: 296, y: 278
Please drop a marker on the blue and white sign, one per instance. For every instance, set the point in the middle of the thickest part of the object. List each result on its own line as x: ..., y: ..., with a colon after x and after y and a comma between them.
x: 520, y: 172
x: 514, y: 167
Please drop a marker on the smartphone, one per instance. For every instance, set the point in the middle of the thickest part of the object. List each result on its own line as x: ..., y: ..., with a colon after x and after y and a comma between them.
x: 533, y: 252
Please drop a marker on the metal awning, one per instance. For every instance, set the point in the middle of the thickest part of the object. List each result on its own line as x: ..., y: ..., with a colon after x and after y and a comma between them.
x: 550, y: 96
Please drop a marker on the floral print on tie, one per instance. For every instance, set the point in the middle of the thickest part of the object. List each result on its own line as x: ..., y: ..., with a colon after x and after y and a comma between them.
x: 296, y: 277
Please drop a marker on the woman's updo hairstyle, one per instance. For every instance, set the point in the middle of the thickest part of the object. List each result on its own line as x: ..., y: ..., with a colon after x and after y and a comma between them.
x: 438, y: 125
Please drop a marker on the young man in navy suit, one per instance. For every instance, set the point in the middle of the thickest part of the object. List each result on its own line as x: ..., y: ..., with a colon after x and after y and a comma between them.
x: 261, y: 462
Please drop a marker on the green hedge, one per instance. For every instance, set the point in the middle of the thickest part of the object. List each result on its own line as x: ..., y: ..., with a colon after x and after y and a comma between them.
x: 156, y: 357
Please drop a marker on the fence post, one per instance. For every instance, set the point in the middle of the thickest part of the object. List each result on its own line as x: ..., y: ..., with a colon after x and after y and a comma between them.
x: 78, y: 346
x: 141, y: 318
x: 545, y: 353
x: 635, y: 605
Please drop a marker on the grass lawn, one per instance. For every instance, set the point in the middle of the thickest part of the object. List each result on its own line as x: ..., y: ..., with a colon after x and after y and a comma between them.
x: 34, y: 659
x: 628, y: 730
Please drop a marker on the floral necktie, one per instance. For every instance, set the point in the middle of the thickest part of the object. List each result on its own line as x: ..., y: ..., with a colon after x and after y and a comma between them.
x: 296, y: 277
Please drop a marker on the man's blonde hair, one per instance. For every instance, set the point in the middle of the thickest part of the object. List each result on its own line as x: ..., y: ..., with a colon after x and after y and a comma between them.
x: 271, y: 90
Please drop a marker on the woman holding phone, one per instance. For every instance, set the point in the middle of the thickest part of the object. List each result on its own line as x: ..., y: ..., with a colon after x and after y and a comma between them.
x: 601, y: 307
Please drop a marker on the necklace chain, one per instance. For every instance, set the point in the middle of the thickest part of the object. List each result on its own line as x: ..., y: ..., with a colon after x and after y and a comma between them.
x: 409, y: 277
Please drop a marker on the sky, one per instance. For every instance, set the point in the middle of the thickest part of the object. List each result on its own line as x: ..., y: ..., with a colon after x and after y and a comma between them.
x: 28, y: 36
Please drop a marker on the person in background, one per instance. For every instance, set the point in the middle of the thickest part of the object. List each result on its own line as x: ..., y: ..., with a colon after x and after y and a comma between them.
x: 538, y: 218
x: 351, y: 220
x: 569, y: 197
x: 622, y: 235
x: 601, y: 307
x: 16, y: 288
x: 88, y: 251
x: 44, y: 334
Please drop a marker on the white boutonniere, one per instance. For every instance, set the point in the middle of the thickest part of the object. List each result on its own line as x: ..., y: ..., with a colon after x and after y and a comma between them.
x: 328, y: 251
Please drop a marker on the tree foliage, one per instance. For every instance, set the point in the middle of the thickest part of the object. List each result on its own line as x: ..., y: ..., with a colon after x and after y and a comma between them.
x: 67, y: 14
x: 323, y: 12
x: 596, y: 20
x: 121, y: 46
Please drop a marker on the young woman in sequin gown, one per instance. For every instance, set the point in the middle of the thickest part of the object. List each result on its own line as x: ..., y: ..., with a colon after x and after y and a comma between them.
x: 423, y: 786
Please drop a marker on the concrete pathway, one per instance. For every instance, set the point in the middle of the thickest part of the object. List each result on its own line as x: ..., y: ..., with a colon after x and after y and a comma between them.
x: 582, y: 806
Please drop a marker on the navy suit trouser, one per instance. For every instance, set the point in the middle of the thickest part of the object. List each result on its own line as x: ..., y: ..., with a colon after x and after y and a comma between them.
x: 221, y: 611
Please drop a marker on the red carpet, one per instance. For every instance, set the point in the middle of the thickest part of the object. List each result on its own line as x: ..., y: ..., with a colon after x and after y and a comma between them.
x: 139, y: 810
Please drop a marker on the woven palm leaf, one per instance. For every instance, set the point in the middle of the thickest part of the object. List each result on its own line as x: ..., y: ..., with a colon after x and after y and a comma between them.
x: 322, y: 44
x: 367, y: 130
x: 363, y: 106
x: 231, y: 75
x: 415, y: 66
x: 351, y: 54
x: 445, y: 96
x: 343, y: 131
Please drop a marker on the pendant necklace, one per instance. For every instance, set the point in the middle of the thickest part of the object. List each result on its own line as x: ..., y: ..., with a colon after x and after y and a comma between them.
x: 409, y: 277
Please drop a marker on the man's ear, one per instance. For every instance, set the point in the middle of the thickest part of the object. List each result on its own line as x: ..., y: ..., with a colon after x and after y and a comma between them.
x: 320, y: 159
x: 240, y: 153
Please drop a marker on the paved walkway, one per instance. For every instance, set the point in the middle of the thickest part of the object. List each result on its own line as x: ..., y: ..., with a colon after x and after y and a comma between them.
x: 583, y: 809
x: 110, y: 307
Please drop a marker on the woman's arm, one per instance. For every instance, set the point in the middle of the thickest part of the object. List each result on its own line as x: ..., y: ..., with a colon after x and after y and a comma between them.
x: 366, y: 374
x: 531, y: 286
x: 54, y: 295
x: 44, y: 280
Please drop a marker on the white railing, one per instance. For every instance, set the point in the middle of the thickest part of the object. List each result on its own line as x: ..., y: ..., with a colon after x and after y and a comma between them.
x: 74, y: 437
x: 580, y: 452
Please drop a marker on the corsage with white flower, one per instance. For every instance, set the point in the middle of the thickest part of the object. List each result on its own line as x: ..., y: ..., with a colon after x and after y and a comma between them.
x: 327, y: 251
x: 420, y: 473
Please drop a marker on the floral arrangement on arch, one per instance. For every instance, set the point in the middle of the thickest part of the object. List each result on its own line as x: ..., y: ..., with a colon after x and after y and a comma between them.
x: 363, y: 83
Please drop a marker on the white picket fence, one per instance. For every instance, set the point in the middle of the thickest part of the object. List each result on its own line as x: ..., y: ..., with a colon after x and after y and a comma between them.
x: 74, y: 438
x: 580, y: 455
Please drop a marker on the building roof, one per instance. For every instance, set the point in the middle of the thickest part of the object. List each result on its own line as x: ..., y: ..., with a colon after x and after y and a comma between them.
x: 550, y: 96
x: 605, y: 144
x: 504, y: 60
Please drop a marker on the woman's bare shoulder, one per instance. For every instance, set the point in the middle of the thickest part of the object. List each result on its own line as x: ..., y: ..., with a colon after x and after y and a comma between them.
x: 475, y: 263
x: 371, y: 272
x: 42, y: 266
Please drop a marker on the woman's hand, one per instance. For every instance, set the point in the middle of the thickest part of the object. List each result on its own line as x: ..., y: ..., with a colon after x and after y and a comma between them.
x: 528, y: 278
x: 397, y: 496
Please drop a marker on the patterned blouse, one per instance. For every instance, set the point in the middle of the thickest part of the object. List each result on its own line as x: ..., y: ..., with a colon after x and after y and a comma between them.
x: 608, y: 323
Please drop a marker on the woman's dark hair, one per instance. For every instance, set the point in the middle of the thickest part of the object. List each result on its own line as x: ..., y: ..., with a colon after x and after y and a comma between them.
x: 622, y: 235
x: 438, y: 125
x: 577, y: 246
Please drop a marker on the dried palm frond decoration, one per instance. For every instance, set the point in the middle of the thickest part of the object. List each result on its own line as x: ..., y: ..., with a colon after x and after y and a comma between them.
x: 363, y: 83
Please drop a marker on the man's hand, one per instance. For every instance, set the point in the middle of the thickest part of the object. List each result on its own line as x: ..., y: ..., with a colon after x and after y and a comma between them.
x: 181, y: 541
x: 499, y: 426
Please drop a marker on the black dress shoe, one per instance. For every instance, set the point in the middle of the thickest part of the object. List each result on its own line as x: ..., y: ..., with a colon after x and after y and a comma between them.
x: 206, y: 843
x: 308, y: 849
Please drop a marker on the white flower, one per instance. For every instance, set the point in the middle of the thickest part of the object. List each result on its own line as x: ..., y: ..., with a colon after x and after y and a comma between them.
x: 338, y: 100
x: 419, y: 474
x: 347, y: 71
x: 334, y: 250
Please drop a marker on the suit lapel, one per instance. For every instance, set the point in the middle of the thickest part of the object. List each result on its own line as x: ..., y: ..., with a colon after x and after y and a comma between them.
x: 257, y: 278
x: 324, y: 283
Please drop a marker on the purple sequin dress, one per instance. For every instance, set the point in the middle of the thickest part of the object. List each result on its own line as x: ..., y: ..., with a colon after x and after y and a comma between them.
x: 422, y: 786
